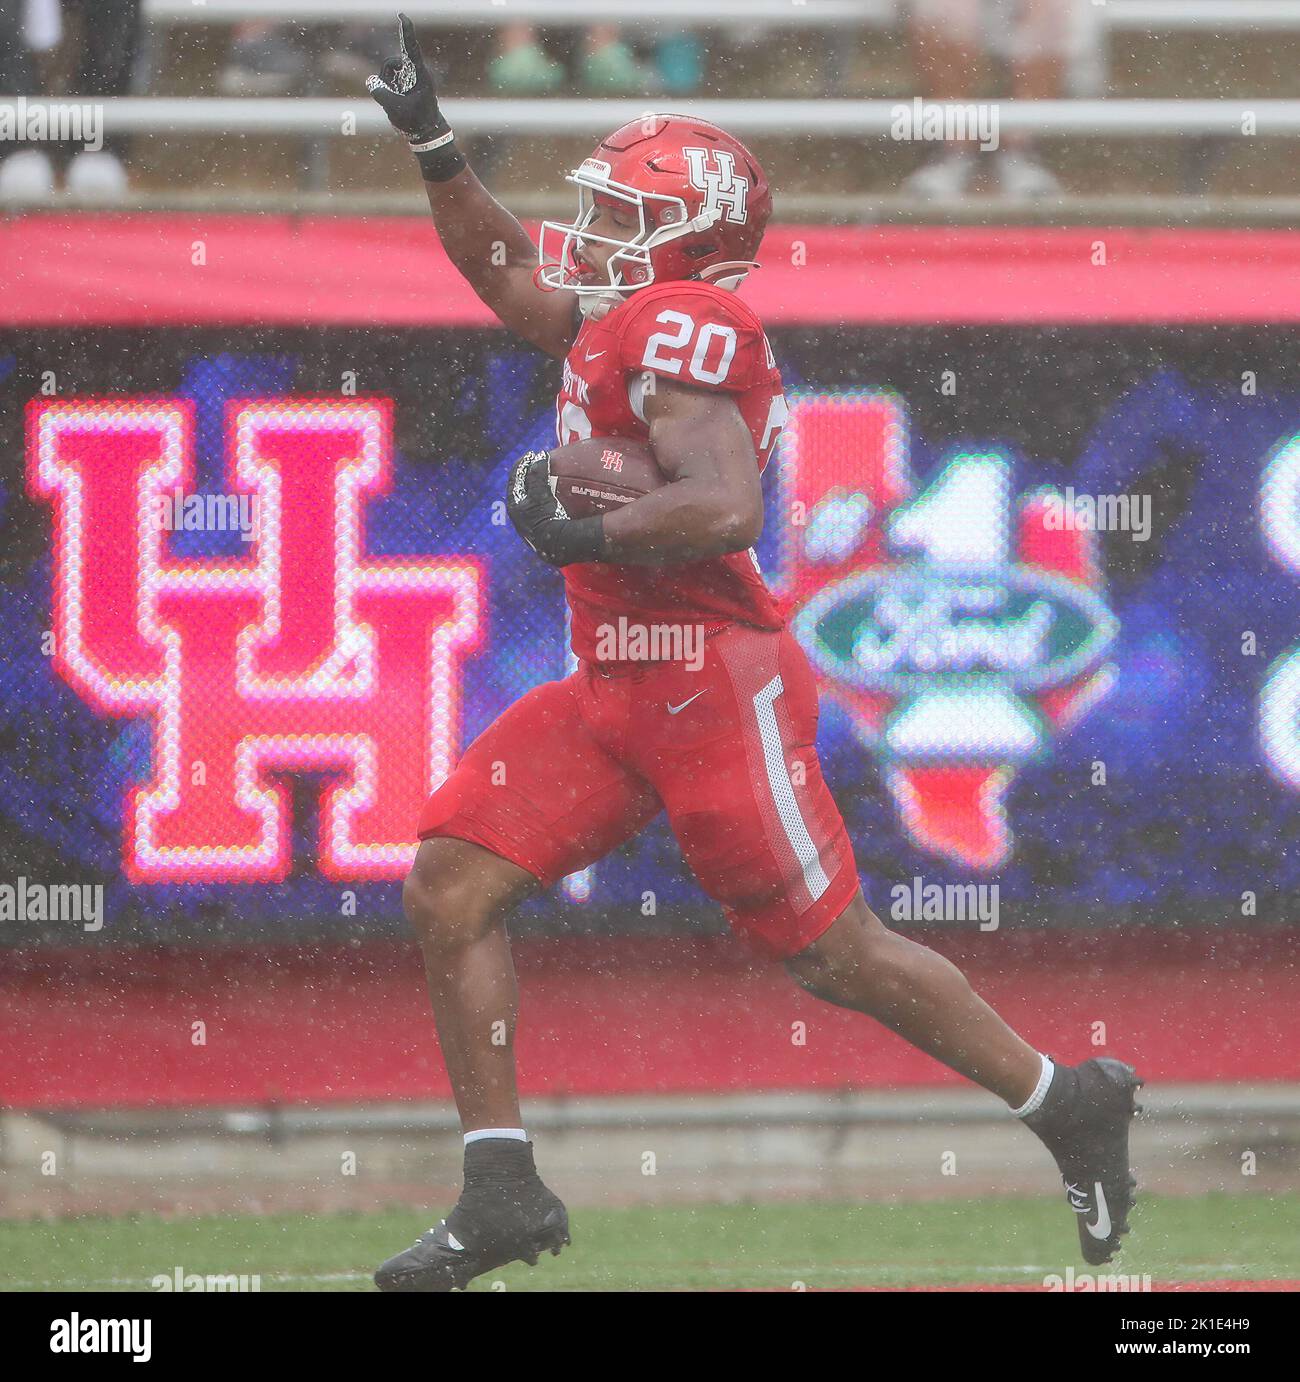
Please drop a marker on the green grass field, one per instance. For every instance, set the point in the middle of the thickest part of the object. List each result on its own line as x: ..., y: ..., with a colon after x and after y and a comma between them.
x: 986, y: 1241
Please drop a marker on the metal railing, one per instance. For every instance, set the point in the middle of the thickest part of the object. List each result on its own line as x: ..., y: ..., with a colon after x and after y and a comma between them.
x: 485, y: 13
x: 1221, y: 15
x: 1156, y: 15
x: 333, y: 117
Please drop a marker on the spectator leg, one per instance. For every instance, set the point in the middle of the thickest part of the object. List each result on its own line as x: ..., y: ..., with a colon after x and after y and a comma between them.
x: 110, y: 41
x: 17, y: 71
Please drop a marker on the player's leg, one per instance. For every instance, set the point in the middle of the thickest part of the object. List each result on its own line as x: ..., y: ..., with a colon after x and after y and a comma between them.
x: 859, y: 963
x: 457, y: 897
x: 764, y: 837
x: 740, y: 776
x: 757, y: 823
x: 1081, y: 1113
x: 535, y: 797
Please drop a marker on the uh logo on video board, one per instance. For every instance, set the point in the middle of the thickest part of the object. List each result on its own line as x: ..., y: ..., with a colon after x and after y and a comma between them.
x: 302, y: 654
x: 959, y: 627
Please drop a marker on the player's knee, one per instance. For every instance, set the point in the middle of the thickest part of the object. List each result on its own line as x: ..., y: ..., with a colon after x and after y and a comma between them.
x: 874, y: 981
x: 859, y: 960
x: 444, y: 907
x: 457, y: 892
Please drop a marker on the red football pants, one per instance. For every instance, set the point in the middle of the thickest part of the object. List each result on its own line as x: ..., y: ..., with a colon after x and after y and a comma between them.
x: 578, y: 766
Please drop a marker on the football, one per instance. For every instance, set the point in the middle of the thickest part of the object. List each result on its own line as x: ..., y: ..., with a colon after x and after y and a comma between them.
x: 603, y: 473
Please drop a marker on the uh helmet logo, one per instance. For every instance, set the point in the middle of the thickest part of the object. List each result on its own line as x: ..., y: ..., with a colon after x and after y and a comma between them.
x: 724, y: 190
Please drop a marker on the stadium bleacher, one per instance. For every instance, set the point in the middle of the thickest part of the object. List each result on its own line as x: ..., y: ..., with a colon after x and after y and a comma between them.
x: 1161, y: 93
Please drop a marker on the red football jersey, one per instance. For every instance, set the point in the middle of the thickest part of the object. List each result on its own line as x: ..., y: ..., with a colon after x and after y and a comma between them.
x: 705, y: 337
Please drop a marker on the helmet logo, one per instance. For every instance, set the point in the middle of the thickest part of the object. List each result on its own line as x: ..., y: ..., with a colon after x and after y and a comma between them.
x: 723, y: 190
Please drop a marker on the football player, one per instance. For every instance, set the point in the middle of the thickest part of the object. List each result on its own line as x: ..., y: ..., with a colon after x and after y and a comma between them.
x: 637, y: 298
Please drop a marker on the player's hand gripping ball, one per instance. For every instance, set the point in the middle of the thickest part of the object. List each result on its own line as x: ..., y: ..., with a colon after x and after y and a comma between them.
x: 540, y: 519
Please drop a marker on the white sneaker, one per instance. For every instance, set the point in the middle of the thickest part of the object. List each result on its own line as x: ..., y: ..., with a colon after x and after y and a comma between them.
x: 1024, y: 178
x: 943, y: 178
x: 98, y: 175
x: 26, y: 177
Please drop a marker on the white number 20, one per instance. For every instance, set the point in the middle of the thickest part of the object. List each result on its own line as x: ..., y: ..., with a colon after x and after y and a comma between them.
x: 680, y: 338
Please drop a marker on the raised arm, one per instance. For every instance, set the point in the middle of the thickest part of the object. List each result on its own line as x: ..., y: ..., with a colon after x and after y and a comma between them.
x: 484, y: 241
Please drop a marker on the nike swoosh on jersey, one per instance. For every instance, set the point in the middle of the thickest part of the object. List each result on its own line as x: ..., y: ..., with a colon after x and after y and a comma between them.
x: 677, y: 709
x: 589, y: 357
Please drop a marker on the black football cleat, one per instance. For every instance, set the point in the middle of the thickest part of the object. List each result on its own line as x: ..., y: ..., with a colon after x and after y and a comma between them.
x: 504, y: 1214
x: 1084, y: 1123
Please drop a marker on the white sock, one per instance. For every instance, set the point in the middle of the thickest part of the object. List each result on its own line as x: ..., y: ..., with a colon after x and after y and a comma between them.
x: 1035, y: 1100
x: 515, y: 1134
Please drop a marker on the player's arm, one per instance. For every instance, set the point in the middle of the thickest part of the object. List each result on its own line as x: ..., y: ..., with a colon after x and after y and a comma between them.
x: 713, y: 503
x: 484, y: 241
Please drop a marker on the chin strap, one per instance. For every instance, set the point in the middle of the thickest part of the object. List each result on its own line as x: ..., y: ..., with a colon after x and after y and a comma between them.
x: 594, y: 306
x: 730, y: 274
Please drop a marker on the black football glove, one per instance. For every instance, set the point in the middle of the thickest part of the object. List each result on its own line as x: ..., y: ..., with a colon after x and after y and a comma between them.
x: 405, y: 88
x: 541, y: 521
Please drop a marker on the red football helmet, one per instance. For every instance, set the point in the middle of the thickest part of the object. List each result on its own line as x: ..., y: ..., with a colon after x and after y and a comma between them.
x: 701, y: 200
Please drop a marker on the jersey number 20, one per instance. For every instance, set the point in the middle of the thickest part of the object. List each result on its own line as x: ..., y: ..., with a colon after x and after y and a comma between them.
x: 711, y: 339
